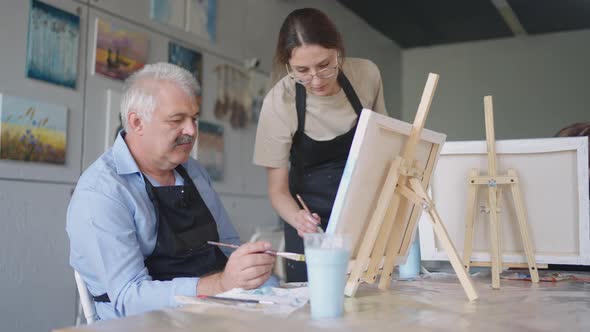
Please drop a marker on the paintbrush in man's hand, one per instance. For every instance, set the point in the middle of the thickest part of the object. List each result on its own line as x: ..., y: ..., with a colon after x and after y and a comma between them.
x: 288, y: 255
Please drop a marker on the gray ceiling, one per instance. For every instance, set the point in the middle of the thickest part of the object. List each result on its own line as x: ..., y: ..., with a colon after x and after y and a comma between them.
x: 415, y: 23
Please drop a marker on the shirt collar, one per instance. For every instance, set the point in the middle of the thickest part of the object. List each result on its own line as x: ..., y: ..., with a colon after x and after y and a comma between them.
x: 124, y: 162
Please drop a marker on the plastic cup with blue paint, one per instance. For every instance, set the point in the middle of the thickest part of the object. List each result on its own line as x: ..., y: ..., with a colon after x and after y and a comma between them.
x: 326, y: 257
x: 411, y: 269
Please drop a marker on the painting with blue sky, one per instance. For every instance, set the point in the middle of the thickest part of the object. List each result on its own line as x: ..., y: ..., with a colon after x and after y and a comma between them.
x: 188, y: 59
x: 169, y: 12
x: 52, y: 49
x: 32, y: 131
x: 201, y: 18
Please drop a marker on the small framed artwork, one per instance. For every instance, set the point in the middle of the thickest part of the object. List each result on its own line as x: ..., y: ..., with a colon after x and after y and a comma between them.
x: 201, y: 18
x: 188, y: 59
x: 169, y: 12
x: 52, y: 47
x: 32, y: 131
x: 119, y: 52
x: 210, y: 149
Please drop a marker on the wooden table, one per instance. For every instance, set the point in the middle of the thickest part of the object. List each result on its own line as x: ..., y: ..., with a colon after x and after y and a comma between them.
x: 436, y: 304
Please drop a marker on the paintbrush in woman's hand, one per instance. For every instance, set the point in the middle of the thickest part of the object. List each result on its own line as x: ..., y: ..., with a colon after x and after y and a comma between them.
x: 320, y: 230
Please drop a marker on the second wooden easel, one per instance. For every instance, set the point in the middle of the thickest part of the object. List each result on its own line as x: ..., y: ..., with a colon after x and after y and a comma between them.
x: 404, y: 184
x: 493, y: 181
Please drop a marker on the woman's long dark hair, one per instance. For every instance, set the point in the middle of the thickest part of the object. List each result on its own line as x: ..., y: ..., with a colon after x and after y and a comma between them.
x: 306, y: 26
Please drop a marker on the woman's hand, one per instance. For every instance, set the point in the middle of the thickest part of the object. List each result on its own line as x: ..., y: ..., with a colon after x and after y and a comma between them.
x: 304, y: 222
x: 283, y: 202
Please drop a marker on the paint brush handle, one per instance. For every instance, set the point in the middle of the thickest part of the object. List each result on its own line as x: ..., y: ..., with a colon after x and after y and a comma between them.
x: 219, y: 244
x: 287, y: 255
x: 320, y: 230
x: 233, y: 299
x: 233, y: 246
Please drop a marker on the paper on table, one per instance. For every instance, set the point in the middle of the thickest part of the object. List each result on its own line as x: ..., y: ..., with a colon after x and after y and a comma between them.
x: 286, y: 300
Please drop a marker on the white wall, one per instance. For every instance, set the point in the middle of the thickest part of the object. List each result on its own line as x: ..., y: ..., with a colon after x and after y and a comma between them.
x: 38, y: 292
x: 539, y: 84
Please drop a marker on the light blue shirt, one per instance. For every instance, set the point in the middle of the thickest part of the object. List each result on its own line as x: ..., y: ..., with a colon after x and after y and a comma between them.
x: 112, y: 228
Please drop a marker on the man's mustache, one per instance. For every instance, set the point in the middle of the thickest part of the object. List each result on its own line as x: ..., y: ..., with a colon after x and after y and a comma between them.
x: 184, y: 139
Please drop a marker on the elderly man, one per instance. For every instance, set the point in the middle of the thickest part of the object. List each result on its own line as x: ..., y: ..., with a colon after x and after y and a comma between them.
x: 141, y: 215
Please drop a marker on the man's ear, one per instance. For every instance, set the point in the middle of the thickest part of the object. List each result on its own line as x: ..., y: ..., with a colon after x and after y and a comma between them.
x: 135, y: 123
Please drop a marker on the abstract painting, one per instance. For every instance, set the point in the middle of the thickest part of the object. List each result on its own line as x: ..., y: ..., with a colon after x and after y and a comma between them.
x: 201, y: 18
x: 113, y: 117
x: 169, y: 12
x: 119, y: 52
x: 188, y: 59
x: 32, y: 131
x: 52, y: 48
x: 210, y: 149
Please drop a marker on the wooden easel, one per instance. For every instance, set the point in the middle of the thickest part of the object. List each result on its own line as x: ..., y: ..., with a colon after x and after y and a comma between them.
x: 492, y: 180
x: 404, y: 184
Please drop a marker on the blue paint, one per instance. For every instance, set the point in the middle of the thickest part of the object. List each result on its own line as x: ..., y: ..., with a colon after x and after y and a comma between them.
x: 326, y: 273
x: 412, y: 267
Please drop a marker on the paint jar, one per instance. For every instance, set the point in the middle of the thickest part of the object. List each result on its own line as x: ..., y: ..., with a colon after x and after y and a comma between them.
x: 411, y: 269
x: 326, y: 257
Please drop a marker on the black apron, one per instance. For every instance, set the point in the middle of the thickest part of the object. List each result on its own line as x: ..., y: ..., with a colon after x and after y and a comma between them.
x: 185, y: 224
x: 316, y: 169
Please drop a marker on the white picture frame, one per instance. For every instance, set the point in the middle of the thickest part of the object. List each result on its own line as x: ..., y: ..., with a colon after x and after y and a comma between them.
x: 553, y: 179
x: 113, y: 118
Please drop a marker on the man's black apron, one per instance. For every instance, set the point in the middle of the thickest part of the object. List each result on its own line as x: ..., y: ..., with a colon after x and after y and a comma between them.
x: 185, y: 224
x: 316, y: 169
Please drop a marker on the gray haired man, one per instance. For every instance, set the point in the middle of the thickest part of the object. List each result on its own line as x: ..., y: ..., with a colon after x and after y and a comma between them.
x: 141, y: 215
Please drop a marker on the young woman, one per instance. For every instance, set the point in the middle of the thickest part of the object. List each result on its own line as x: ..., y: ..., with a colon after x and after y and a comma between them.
x: 307, y: 123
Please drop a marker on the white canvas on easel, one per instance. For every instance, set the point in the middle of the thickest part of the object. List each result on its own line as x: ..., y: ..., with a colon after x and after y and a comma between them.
x: 553, y: 173
x: 382, y: 194
x: 370, y: 155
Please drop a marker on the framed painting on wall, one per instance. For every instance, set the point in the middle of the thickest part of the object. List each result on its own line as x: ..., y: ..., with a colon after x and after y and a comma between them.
x: 201, y: 18
x: 52, y: 47
x: 32, y: 131
x: 188, y: 59
x: 209, y: 150
x: 113, y: 117
x: 169, y: 12
x: 119, y: 52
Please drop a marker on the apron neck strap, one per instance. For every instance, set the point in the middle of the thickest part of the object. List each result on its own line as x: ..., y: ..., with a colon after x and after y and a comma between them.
x: 301, y: 96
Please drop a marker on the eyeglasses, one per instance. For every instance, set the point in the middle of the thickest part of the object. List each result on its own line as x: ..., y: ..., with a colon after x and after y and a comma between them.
x: 307, y: 78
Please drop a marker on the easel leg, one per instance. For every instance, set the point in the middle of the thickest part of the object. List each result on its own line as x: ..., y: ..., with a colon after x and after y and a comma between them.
x: 494, y: 238
x: 364, y: 252
x: 500, y: 224
x: 524, y: 233
x: 382, y: 239
x: 393, y: 244
x: 470, y: 220
x: 443, y: 237
x: 397, y: 233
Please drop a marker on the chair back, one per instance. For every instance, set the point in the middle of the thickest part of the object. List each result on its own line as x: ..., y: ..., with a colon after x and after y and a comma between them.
x: 86, y: 300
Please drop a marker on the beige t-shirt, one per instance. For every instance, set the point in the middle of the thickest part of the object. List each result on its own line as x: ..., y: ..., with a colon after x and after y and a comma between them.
x: 326, y: 117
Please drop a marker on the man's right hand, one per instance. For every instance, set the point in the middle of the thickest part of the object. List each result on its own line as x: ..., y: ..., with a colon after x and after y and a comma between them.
x: 248, y: 267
